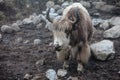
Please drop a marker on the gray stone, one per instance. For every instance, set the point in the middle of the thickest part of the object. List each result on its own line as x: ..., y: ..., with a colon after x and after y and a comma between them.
x: 37, y: 77
x: 65, y: 4
x: 61, y: 72
x: 72, y: 78
x: 105, y: 25
x: 51, y: 74
x: 97, y: 21
x: 57, y: 7
x: 15, y: 27
x: 39, y: 26
x: 98, y: 5
x: 114, y: 21
x: 0, y: 37
x: 53, y: 15
x: 60, y: 11
x: 103, y: 50
x: 37, y: 41
x: 27, y: 21
x: 107, y: 8
x: 19, y: 22
x: 49, y: 26
x: 7, y: 29
x: 50, y: 4
x: 113, y: 32
x: 86, y: 4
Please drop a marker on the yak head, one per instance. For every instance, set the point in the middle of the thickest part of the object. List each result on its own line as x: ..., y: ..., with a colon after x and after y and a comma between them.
x: 62, y: 27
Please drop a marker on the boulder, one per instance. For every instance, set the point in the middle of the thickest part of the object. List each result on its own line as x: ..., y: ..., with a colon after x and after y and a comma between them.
x: 7, y: 29
x: 114, y: 21
x: 15, y: 27
x: 65, y: 4
x: 61, y: 72
x: 105, y: 25
x: 27, y: 21
x: 51, y: 74
x: 97, y: 21
x: 103, y: 50
x: 37, y: 41
x: 113, y: 32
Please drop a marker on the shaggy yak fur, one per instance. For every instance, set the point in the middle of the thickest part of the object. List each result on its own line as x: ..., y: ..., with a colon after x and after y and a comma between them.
x: 72, y: 34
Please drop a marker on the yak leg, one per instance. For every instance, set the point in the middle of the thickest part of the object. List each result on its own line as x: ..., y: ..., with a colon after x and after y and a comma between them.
x: 83, y: 56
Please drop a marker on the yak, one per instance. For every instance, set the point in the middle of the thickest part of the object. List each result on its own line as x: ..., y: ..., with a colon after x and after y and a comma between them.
x: 72, y: 34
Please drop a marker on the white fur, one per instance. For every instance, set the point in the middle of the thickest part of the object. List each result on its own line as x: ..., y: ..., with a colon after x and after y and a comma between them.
x: 60, y: 38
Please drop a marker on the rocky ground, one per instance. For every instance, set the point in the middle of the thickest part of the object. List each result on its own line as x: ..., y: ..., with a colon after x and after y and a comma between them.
x: 26, y: 51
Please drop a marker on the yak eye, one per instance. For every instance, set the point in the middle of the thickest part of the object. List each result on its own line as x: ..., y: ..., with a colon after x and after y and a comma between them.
x: 67, y: 33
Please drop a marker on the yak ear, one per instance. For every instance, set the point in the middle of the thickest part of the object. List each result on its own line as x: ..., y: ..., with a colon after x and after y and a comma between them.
x: 74, y: 15
x: 72, y: 19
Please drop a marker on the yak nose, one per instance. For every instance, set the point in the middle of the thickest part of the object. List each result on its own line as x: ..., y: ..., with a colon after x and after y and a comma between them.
x: 57, y: 47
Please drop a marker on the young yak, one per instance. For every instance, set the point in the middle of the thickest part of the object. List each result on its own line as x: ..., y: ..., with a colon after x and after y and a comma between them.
x: 72, y: 34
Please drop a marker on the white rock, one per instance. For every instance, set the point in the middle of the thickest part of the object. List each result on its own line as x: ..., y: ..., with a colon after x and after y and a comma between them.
x: 19, y: 22
x: 40, y: 25
x: 32, y: 16
x: 15, y: 27
x: 51, y: 74
x: 103, y: 50
x: 72, y: 78
x: 40, y: 62
x: 86, y: 4
x: 37, y: 77
x: 1, y: 1
x: 0, y: 37
x: 27, y: 76
x: 50, y: 4
x: 65, y: 4
x: 105, y: 25
x: 61, y: 72
x: 52, y: 10
x: 27, y: 21
x: 113, y: 32
x: 19, y: 40
x: 97, y: 21
x: 53, y: 15
x: 49, y: 26
x: 37, y: 41
x: 115, y: 21
x: 26, y: 41
x: 36, y: 20
x: 6, y: 29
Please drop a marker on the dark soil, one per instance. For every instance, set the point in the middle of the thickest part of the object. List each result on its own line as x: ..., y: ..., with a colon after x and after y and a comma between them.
x: 18, y: 59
